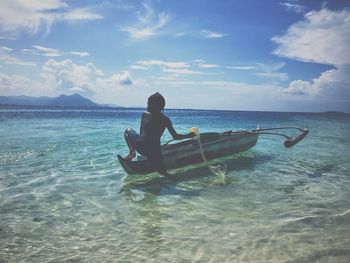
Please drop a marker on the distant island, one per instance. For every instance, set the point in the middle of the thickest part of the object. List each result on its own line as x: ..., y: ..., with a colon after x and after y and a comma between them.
x: 74, y: 100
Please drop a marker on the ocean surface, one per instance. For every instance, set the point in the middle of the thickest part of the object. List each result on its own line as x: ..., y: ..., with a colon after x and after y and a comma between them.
x: 65, y: 198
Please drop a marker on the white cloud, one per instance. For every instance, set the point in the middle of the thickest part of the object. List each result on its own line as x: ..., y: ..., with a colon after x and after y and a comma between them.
x: 208, y: 66
x: 300, y: 87
x: 35, y: 15
x: 80, y: 54
x: 265, y: 70
x: 45, y: 51
x: 138, y: 67
x: 334, y: 83
x: 7, y: 38
x: 201, y: 64
x: 180, y: 34
x: 269, y: 67
x: 6, y: 49
x: 19, y: 85
x: 321, y: 37
x: 28, y: 15
x: 81, y: 14
x: 123, y: 78
x: 172, y: 67
x: 42, y: 51
x: 199, y: 34
x: 66, y: 77
x: 299, y: 9
x: 241, y: 67
x: 181, y: 71
x: 261, y: 67
x: 162, y: 63
x: 212, y: 34
x: 148, y: 24
x: 273, y: 75
x: 7, y: 58
x: 10, y: 60
x: 51, y: 52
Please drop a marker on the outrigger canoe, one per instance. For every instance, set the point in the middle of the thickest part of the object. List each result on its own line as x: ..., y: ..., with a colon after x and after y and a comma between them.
x: 213, y: 145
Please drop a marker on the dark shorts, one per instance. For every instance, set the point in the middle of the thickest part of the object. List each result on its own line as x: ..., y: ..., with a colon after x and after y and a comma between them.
x: 136, y: 140
x: 153, y: 153
x: 133, y: 136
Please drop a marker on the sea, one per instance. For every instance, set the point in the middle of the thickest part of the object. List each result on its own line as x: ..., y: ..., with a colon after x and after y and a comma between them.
x: 64, y: 197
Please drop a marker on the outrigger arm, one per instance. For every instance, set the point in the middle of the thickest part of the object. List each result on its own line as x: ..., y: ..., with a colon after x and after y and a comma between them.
x: 291, y: 141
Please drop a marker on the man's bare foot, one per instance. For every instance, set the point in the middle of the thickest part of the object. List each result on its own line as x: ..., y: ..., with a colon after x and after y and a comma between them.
x: 130, y: 156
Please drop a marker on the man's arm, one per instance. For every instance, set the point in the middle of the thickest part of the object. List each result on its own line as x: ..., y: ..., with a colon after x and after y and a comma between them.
x: 173, y: 133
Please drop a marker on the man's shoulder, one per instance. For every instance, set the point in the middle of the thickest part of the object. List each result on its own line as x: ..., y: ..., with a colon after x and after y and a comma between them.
x: 166, y: 119
x: 146, y: 114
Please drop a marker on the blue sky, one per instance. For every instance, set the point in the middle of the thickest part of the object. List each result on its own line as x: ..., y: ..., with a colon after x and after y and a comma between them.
x: 286, y: 55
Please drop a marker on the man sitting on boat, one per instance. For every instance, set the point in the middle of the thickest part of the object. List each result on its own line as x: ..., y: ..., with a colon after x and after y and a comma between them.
x: 153, y: 124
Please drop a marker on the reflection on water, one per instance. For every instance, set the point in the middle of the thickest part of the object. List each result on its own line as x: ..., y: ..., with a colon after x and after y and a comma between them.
x: 199, y: 173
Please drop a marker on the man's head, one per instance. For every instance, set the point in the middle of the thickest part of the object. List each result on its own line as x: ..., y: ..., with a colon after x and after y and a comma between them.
x: 156, y: 103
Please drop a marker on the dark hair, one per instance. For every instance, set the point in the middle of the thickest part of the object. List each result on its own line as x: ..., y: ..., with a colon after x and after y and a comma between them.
x: 156, y: 103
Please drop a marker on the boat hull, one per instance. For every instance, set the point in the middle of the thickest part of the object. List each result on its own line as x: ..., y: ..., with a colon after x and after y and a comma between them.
x: 188, y: 152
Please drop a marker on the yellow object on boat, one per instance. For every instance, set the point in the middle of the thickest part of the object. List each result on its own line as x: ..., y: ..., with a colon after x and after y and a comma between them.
x: 194, y: 130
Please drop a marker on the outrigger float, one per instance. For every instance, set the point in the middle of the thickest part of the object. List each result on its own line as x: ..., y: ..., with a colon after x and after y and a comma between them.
x: 209, y: 145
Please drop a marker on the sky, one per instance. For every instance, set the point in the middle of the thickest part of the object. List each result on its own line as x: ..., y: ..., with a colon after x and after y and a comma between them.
x: 269, y: 55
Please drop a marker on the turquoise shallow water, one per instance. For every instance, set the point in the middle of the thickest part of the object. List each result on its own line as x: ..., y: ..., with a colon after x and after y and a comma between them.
x: 65, y: 198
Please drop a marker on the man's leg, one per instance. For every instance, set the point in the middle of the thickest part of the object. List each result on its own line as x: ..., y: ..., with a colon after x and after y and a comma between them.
x: 132, y: 152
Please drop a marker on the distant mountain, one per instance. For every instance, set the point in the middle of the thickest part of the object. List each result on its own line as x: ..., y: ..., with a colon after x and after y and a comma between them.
x: 24, y: 100
x: 74, y: 100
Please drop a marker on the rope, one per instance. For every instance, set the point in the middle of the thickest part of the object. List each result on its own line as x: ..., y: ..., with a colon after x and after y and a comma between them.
x: 215, y: 169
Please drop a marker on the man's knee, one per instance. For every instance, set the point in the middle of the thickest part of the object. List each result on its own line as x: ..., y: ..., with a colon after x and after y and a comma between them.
x: 127, y: 131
